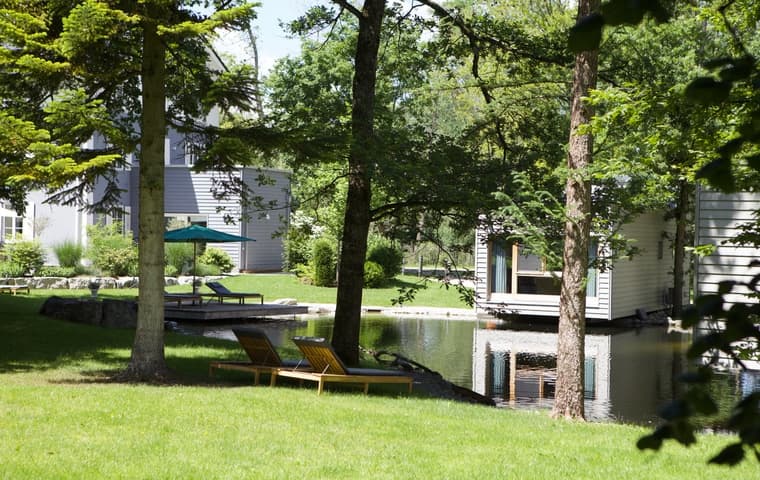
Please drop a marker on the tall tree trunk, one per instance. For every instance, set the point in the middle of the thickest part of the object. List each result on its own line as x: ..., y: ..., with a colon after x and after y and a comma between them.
x: 679, y: 245
x: 572, y: 302
x: 147, y: 362
x: 345, y: 338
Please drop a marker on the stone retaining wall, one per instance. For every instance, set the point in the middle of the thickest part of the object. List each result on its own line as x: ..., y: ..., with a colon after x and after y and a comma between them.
x: 105, y: 282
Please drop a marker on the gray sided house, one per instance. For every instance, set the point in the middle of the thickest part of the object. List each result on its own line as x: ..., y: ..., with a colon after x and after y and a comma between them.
x: 188, y: 198
x: 511, y: 282
x: 719, y: 216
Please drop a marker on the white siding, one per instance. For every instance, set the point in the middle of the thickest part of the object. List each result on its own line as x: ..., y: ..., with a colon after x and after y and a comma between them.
x: 718, y: 217
x: 266, y: 225
x: 644, y: 281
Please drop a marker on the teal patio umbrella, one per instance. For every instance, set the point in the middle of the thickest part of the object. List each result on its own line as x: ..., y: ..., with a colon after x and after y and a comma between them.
x: 196, y: 234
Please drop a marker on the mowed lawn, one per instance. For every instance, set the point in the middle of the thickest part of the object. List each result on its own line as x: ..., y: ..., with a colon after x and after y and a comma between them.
x: 61, y: 417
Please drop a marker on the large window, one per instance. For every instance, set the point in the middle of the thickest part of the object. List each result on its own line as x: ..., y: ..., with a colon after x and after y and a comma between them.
x: 12, y: 227
x: 121, y: 216
x: 174, y: 221
x: 515, y: 271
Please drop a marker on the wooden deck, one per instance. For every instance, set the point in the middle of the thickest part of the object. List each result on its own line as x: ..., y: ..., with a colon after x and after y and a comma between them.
x: 229, y: 311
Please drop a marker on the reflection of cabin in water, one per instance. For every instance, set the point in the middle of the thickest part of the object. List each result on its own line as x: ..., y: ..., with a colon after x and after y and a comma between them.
x: 508, y: 281
x: 620, y: 380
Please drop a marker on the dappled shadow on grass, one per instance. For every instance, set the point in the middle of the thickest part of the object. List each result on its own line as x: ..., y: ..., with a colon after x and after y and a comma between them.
x: 32, y: 343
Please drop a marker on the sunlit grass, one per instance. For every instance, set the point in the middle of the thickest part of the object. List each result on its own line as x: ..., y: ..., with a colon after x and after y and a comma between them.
x: 431, y: 293
x: 61, y: 417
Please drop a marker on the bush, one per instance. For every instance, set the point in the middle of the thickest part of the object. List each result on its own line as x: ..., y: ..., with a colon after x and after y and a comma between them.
x: 170, y: 271
x: 112, y: 253
x: 374, y: 276
x: 69, y: 253
x: 9, y: 269
x: 29, y: 256
x: 384, y: 253
x: 179, y: 256
x: 206, y: 270
x: 52, y: 271
x: 323, y: 263
x: 218, y: 258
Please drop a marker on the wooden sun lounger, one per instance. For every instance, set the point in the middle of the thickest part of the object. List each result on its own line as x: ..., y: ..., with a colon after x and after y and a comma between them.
x: 13, y: 289
x: 262, y: 354
x: 326, y: 367
x: 221, y: 292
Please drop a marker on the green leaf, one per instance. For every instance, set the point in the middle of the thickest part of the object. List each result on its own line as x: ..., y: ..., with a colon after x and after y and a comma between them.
x: 623, y: 12
x: 718, y: 174
x: 731, y: 455
x: 707, y: 90
x: 586, y: 34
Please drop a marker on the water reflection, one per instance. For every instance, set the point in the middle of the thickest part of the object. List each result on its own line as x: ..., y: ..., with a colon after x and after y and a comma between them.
x: 629, y: 374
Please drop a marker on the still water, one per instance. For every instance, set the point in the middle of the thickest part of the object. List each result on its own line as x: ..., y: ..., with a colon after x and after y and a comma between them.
x: 630, y: 373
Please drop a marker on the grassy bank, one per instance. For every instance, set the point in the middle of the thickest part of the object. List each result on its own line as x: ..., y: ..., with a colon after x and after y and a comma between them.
x: 61, y: 418
x: 431, y: 293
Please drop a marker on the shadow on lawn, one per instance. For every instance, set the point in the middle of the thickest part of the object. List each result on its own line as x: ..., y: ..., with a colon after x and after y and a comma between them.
x: 30, y: 342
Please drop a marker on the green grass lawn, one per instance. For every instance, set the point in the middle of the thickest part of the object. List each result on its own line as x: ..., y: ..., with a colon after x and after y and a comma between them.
x: 273, y: 286
x: 60, y: 417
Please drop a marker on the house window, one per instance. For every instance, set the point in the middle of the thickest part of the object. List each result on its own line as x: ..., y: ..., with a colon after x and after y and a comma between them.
x: 12, y: 227
x: 120, y: 215
x: 501, y: 267
x: 513, y: 270
x: 173, y: 221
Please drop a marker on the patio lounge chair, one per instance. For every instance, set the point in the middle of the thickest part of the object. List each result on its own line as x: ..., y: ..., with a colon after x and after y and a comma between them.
x: 262, y: 354
x: 221, y: 292
x: 326, y: 367
x: 182, y: 297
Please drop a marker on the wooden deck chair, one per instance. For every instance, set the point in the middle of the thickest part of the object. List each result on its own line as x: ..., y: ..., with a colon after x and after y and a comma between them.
x: 262, y: 354
x: 326, y: 367
x: 221, y: 292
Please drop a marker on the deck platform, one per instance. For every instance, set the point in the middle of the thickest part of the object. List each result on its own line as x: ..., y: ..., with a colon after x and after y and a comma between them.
x: 228, y: 311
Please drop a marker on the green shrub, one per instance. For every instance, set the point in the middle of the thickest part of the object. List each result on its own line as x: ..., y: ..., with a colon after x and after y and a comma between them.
x: 170, y: 271
x: 69, y: 253
x: 179, y: 256
x: 27, y: 254
x: 374, y: 276
x: 112, y: 253
x: 384, y: 253
x: 52, y: 271
x: 218, y: 258
x: 206, y: 270
x: 323, y: 263
x: 9, y: 270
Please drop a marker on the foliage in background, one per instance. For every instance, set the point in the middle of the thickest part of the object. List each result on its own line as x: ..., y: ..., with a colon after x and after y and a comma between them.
x: 54, y: 271
x: 218, y: 258
x: 28, y: 256
x: 10, y: 270
x: 69, y: 253
x: 112, y: 252
x: 179, y: 257
x: 374, y: 275
x: 323, y: 262
x: 297, y: 246
x: 386, y: 254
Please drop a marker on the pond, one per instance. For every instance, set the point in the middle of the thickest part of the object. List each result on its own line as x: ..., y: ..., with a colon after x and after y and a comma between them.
x: 630, y: 373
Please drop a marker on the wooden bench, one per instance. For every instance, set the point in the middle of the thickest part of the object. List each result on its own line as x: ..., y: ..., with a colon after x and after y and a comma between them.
x: 13, y: 289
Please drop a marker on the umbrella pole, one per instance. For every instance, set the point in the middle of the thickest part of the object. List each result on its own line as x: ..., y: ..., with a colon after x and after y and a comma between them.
x: 195, y: 264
